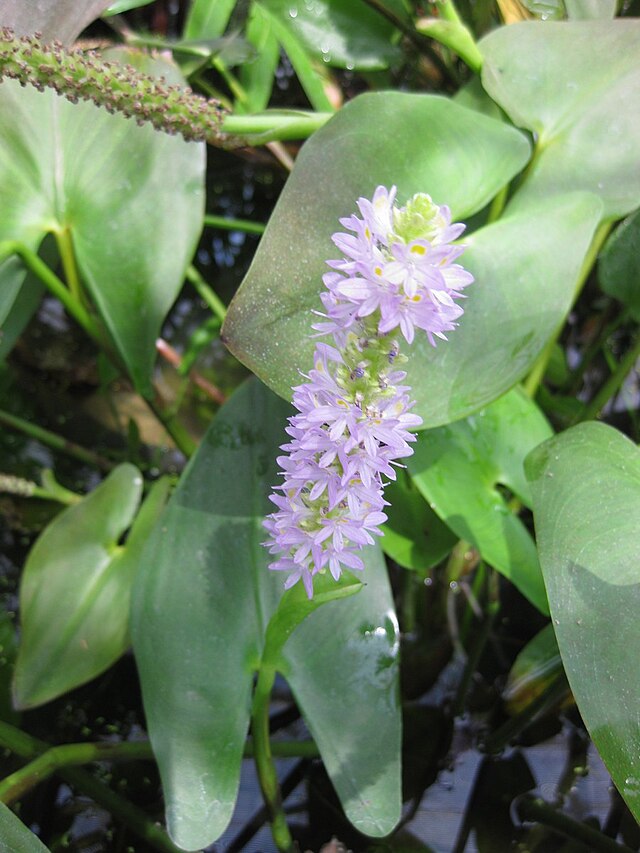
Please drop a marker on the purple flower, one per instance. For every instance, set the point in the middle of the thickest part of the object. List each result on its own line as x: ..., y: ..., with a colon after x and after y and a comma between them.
x: 354, y: 419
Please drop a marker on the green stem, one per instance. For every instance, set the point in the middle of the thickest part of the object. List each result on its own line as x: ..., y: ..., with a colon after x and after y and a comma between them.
x: 17, y: 784
x: 51, y: 281
x: 133, y: 817
x: 67, y: 256
x: 535, y: 809
x: 70, y: 448
x: 474, y: 656
x: 535, y: 377
x: 449, y: 29
x: 9, y: 484
x: 181, y: 438
x: 274, y: 125
x: 613, y: 383
x: 235, y: 87
x: 264, y: 759
x: 206, y: 293
x: 234, y: 224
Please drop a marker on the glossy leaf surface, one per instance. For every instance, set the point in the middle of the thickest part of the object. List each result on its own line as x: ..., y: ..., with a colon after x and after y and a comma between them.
x: 586, y: 499
x: 202, y: 603
x: 459, y: 467
x: 576, y: 84
x: 462, y: 159
x: 74, y: 592
x: 619, y: 264
x: 109, y: 184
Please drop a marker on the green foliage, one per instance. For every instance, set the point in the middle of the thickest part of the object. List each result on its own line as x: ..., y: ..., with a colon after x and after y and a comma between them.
x: 204, y: 591
x: 76, y: 586
x: 619, y: 264
x: 586, y: 497
x: 572, y: 84
x: 79, y: 173
x: 460, y: 156
x: 458, y: 468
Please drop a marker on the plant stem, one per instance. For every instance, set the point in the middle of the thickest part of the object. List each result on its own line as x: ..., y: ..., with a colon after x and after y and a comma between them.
x: 51, y: 281
x: 67, y: 256
x: 234, y: 224
x: 450, y: 31
x: 535, y: 377
x: 133, y: 817
x: 70, y: 448
x: 57, y: 758
x: 613, y: 383
x: 274, y: 125
x: 535, y: 809
x: 17, y: 784
x: 206, y: 293
x: 264, y: 759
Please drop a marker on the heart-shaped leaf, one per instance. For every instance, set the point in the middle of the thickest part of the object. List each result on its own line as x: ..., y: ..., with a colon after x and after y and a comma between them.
x: 201, y: 606
x: 460, y: 157
x: 586, y: 499
x: 576, y: 85
x: 458, y: 468
x: 75, y: 169
x: 76, y: 586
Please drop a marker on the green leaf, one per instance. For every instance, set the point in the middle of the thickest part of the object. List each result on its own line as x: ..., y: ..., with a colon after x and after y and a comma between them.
x: 55, y: 19
x: 586, y: 498
x: 208, y: 18
x: 458, y: 468
x: 257, y: 76
x: 414, y: 536
x: 576, y: 85
x: 462, y: 159
x: 201, y: 606
x: 342, y: 665
x: 14, y: 835
x: 301, y: 60
x: 108, y: 183
x: 75, y: 589
x: 619, y: 264
x: 345, y: 33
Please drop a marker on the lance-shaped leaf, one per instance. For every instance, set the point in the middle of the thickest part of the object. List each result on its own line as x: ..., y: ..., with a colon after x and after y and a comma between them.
x: 586, y: 500
x: 459, y: 467
x: 461, y: 158
x: 202, y: 603
x: 576, y: 85
x: 76, y: 587
x: 107, y: 184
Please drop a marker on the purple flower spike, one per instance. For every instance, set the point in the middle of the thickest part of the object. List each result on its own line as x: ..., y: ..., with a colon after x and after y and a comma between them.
x: 353, y: 420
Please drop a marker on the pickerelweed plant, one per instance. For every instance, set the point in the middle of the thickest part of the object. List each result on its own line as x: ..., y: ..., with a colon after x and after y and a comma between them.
x: 354, y: 421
